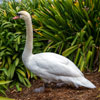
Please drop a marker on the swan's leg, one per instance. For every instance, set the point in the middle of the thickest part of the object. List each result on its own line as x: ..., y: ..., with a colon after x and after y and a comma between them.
x: 60, y: 84
x: 40, y: 89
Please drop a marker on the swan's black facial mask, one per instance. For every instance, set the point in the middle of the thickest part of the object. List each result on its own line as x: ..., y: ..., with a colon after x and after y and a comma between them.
x: 18, y: 14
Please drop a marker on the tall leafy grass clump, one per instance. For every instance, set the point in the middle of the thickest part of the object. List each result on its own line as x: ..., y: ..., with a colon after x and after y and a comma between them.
x: 12, y: 40
x: 73, y: 30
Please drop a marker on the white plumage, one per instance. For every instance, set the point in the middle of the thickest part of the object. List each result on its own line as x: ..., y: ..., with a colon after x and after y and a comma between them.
x: 51, y: 67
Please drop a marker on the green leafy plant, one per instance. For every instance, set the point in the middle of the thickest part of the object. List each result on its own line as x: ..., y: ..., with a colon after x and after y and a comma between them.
x: 12, y: 40
x: 72, y: 29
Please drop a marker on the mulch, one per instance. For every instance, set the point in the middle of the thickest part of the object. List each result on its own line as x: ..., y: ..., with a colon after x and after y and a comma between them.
x: 63, y: 93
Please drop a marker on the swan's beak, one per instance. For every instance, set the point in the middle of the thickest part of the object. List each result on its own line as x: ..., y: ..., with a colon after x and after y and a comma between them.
x: 16, y: 17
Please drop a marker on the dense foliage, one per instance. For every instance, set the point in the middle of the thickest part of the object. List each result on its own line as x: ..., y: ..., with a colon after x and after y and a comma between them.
x: 62, y: 26
x: 73, y: 30
x: 12, y: 40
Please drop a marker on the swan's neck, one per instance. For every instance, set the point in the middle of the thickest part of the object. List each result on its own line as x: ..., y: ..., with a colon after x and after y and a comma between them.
x: 29, y: 38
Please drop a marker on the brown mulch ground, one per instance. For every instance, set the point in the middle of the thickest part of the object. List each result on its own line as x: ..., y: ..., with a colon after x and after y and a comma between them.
x: 63, y: 93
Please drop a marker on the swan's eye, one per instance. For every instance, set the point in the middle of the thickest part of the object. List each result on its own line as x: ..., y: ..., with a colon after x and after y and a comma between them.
x: 18, y: 14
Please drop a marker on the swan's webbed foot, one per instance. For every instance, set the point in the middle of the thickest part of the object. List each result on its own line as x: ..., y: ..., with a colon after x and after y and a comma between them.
x: 39, y: 90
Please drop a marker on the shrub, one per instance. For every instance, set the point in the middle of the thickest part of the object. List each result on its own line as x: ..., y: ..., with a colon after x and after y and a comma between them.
x: 12, y: 40
x: 73, y: 30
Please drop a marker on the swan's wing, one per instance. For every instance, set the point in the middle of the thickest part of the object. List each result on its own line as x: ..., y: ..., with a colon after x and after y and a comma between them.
x: 55, y: 64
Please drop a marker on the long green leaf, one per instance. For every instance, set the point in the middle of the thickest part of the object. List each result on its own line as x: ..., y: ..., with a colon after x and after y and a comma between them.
x: 5, y: 98
x: 4, y: 82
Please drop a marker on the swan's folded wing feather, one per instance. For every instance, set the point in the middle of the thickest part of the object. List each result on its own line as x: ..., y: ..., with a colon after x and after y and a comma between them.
x: 56, y: 64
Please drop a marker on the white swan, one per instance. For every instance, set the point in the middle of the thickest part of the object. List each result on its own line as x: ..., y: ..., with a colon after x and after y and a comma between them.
x: 51, y: 67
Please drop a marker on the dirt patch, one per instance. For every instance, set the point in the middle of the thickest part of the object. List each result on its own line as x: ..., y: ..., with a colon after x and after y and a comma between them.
x: 63, y: 93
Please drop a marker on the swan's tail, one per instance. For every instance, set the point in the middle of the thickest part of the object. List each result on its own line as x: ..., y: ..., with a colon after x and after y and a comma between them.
x: 79, y: 81
x: 82, y: 81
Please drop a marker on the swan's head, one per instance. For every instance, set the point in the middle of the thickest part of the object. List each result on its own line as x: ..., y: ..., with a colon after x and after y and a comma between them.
x: 22, y: 15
